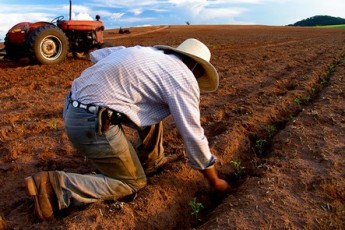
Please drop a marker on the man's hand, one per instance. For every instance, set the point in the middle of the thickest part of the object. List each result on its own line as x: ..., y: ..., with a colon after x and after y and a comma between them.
x: 216, y: 183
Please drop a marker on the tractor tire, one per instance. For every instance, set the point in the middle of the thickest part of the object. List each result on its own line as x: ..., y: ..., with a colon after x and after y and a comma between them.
x: 48, y: 45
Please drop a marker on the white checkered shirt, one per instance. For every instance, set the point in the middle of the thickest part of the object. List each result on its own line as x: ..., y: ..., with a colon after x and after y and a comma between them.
x: 147, y: 85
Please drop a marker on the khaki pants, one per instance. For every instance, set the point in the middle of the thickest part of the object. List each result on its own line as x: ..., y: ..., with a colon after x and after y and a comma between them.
x: 120, y: 165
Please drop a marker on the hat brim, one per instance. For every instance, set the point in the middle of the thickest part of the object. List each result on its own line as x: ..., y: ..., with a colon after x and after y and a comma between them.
x: 209, y: 82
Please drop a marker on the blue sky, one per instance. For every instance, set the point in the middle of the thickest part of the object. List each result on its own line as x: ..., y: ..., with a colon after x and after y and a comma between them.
x: 128, y: 13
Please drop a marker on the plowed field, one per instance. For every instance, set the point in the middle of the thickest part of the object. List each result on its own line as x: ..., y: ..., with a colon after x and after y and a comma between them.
x: 276, y: 124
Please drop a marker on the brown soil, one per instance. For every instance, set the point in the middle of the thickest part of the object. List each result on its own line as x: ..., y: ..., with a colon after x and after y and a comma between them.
x: 279, y: 114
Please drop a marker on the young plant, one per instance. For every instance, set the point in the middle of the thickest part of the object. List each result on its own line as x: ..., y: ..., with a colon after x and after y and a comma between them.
x: 237, y: 166
x: 305, y: 99
x: 196, y: 208
x: 291, y: 117
x: 297, y: 101
x: 272, y: 130
x: 259, y: 146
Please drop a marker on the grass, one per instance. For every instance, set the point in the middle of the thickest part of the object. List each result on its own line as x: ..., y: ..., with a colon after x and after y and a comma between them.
x: 333, y: 26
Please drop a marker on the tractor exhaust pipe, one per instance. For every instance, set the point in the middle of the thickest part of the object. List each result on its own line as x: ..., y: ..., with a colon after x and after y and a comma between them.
x: 70, y: 10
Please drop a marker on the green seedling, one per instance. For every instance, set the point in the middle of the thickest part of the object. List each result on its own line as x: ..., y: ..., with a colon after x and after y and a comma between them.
x: 297, y: 101
x: 323, y: 81
x: 305, y: 99
x: 291, y: 117
x: 196, y: 208
x: 259, y: 146
x: 237, y: 166
x: 271, y: 130
x: 302, y: 100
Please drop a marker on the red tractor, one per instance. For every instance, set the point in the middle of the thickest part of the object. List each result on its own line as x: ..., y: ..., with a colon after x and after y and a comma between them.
x: 50, y: 42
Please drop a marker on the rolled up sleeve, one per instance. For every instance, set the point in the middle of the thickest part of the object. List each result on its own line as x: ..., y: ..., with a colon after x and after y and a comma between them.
x: 184, y: 107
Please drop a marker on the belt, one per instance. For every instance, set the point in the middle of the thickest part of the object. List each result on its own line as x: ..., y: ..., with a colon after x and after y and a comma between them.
x: 89, y: 108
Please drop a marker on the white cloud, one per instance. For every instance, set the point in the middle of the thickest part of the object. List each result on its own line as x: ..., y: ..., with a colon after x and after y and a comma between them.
x: 207, y: 14
x: 128, y: 3
x: 136, y: 19
x: 136, y: 11
x: 80, y: 12
x: 116, y: 15
x: 81, y: 16
x: 11, y: 19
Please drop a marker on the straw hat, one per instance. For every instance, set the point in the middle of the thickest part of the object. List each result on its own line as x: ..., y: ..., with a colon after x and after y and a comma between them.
x: 199, y: 52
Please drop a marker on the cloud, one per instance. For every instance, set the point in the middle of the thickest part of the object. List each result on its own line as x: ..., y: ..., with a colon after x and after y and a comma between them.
x: 80, y: 12
x: 116, y: 16
x: 136, y: 19
x: 208, y: 12
x: 220, y: 13
x: 136, y: 11
x: 81, y: 16
x: 11, y: 19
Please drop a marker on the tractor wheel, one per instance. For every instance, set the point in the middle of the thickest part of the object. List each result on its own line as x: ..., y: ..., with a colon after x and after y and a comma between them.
x: 48, y: 44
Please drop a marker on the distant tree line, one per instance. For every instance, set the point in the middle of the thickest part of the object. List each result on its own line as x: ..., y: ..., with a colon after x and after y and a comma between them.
x: 320, y: 20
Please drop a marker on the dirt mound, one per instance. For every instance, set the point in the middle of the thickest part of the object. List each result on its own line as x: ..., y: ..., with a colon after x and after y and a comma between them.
x: 276, y: 125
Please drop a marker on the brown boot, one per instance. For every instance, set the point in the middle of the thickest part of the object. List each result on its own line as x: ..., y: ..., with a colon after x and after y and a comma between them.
x: 40, y: 187
x: 151, y: 169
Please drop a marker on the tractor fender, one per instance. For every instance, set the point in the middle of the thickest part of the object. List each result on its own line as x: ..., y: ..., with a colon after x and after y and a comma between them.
x: 18, y: 33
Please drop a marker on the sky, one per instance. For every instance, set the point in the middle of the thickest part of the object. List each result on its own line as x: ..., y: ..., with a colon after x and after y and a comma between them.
x: 130, y: 13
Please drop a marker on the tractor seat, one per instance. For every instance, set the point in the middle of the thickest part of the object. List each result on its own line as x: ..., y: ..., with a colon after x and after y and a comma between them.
x: 82, y: 25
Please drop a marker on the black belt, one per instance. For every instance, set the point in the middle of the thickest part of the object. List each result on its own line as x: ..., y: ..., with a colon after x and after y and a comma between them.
x: 89, y: 108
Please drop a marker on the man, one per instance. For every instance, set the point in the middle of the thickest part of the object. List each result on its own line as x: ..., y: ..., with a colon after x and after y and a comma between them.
x: 136, y: 86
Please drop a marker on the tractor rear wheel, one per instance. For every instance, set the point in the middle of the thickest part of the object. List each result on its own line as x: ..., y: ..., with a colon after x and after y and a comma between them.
x: 48, y: 44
